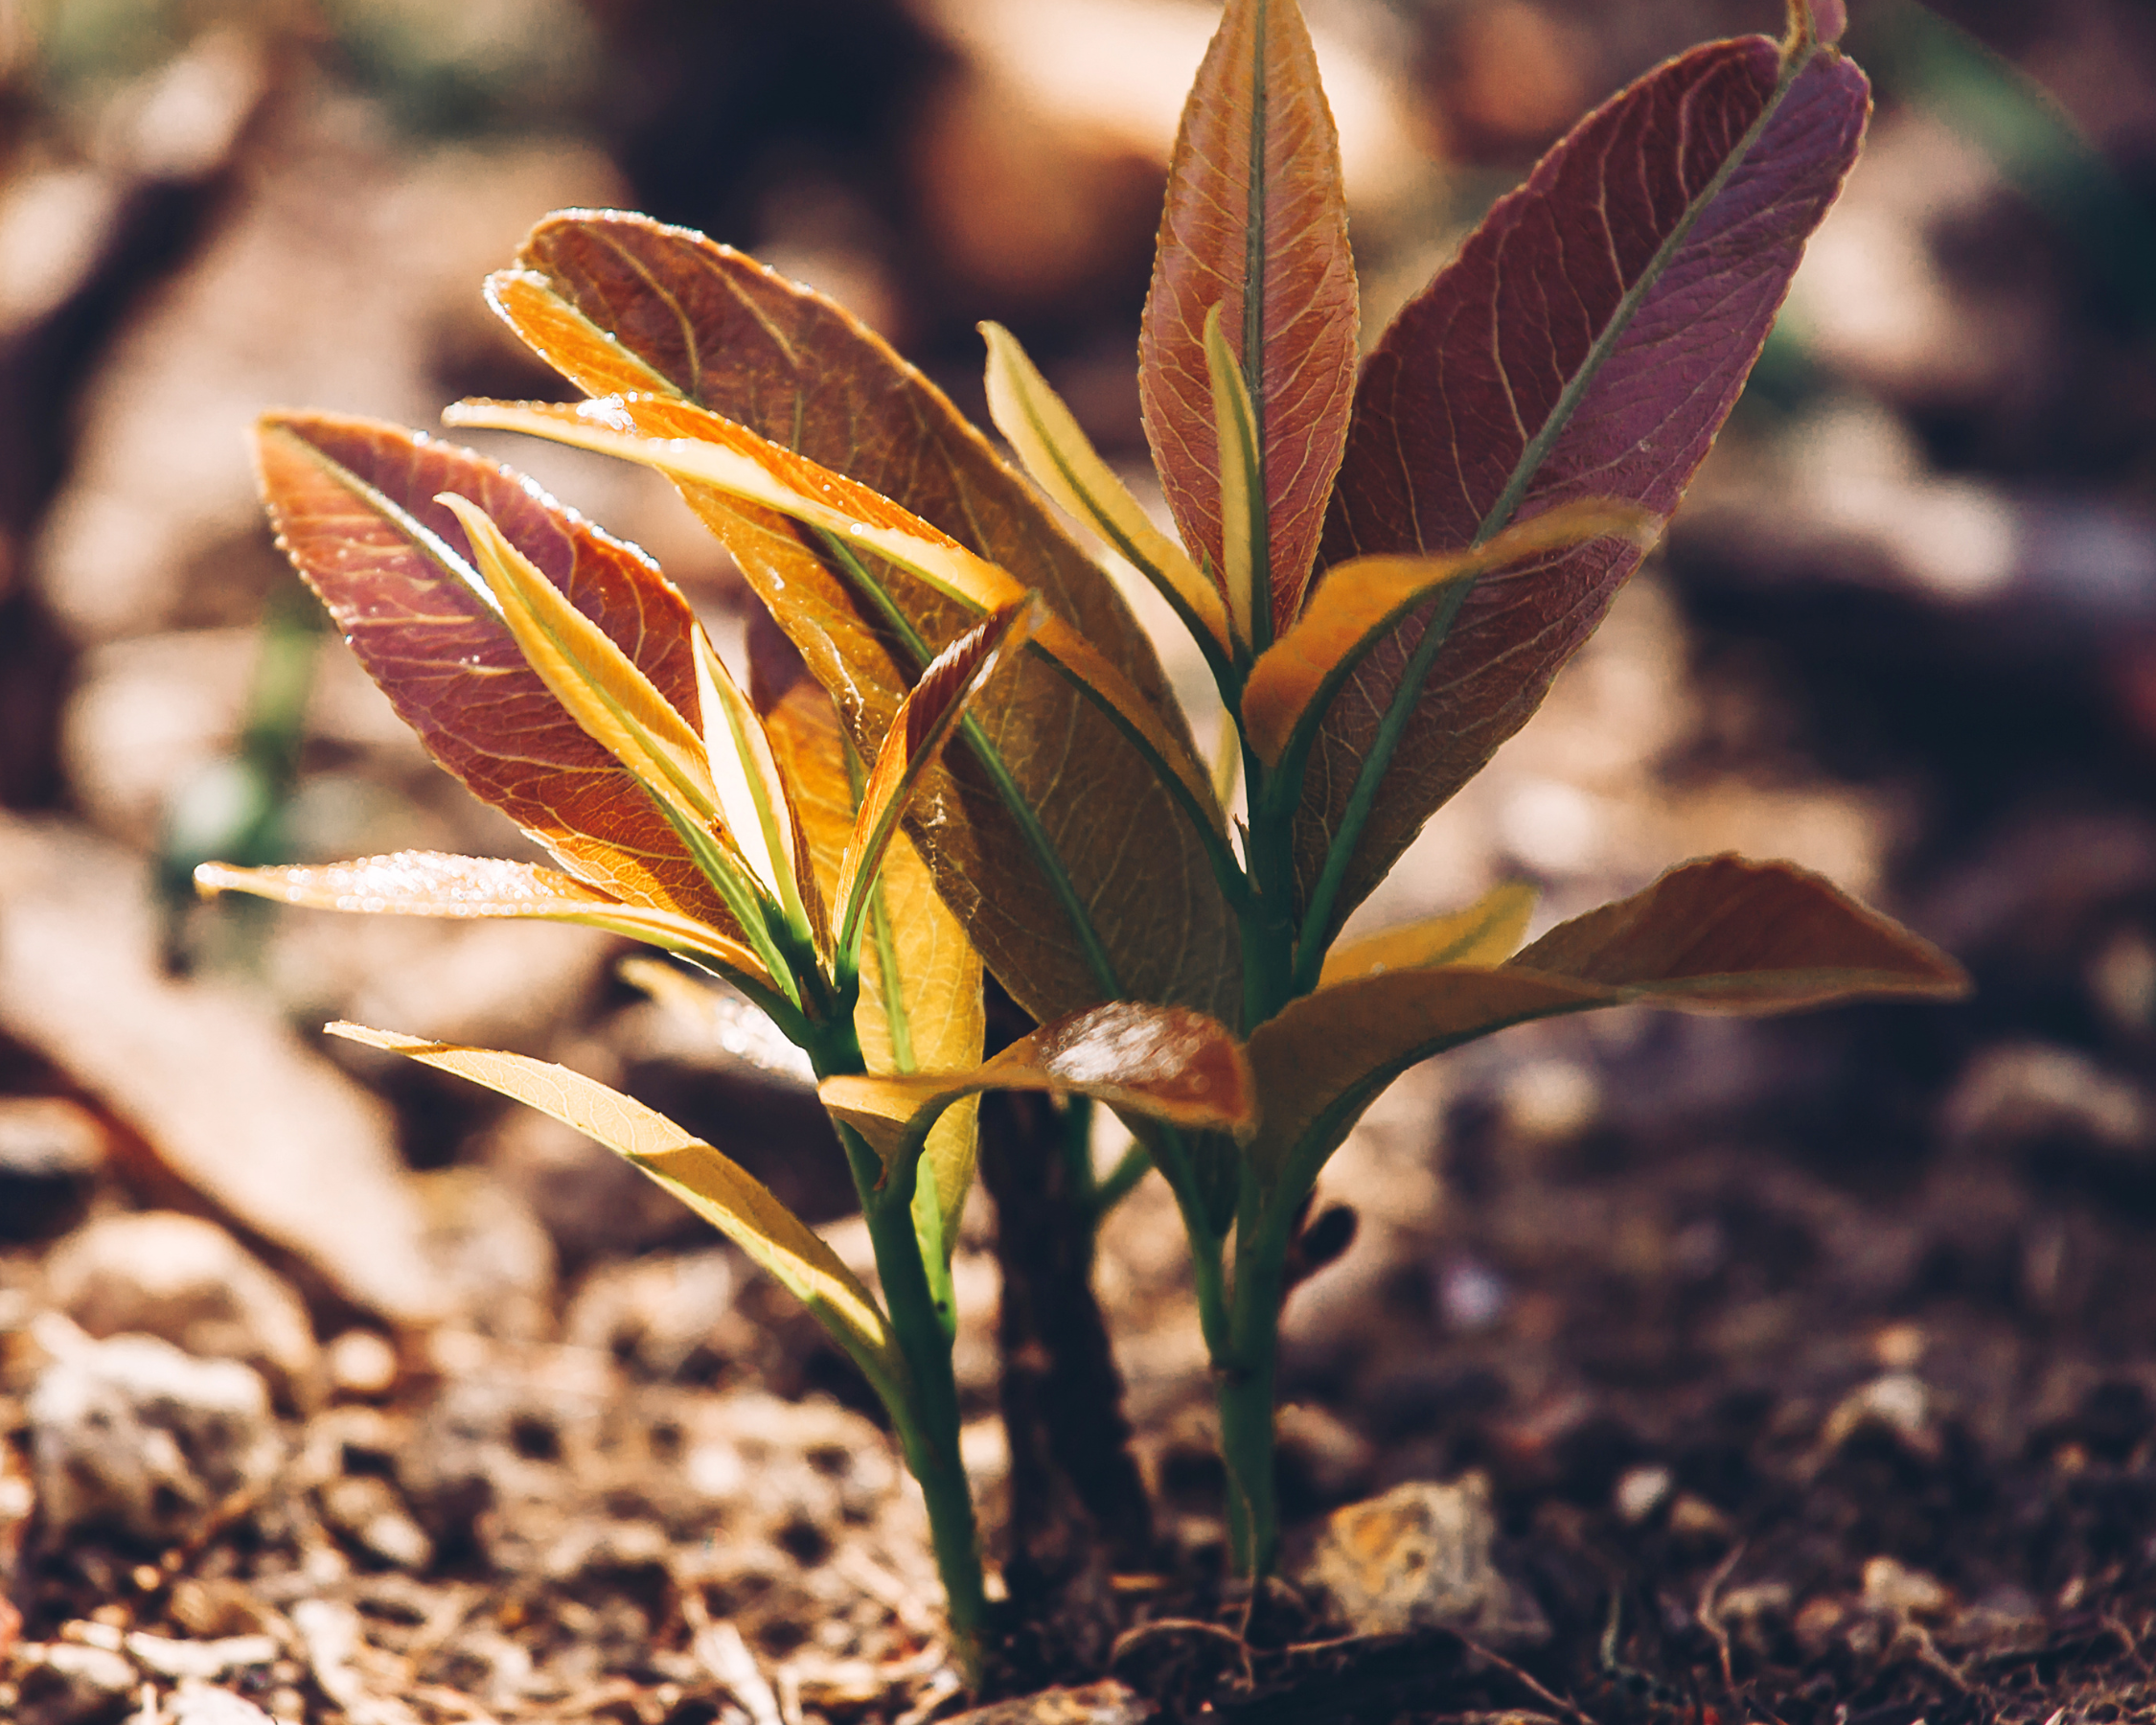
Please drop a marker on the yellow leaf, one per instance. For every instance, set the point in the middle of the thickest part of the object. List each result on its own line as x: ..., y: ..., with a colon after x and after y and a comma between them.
x: 727, y: 1196
x: 1488, y: 931
x: 1241, y: 483
x: 1065, y: 464
x: 429, y: 884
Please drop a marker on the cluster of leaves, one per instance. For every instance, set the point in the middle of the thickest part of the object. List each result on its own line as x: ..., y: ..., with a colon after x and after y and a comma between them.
x: 1382, y: 565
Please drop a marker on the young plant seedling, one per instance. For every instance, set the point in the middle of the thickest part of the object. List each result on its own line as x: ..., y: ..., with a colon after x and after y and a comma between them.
x: 1384, y: 567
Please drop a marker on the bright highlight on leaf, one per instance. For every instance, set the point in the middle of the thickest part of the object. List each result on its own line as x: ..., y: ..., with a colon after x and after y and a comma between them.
x: 1064, y: 462
x: 924, y: 724
x: 430, y: 884
x: 1163, y: 1063
x: 732, y: 1201
x: 752, y: 796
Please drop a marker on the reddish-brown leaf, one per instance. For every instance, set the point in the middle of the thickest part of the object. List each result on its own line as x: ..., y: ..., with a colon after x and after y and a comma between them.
x: 1158, y: 1063
x: 620, y: 301
x: 1255, y: 224
x: 1724, y: 935
x: 353, y: 501
x: 1720, y: 935
x: 1587, y: 341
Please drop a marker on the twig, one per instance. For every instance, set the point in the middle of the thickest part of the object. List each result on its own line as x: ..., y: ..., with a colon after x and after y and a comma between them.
x: 1530, y: 1683
x: 1132, y: 1637
x: 1709, y: 1613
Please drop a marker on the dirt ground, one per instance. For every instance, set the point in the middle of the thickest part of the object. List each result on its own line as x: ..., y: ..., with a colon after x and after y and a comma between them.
x: 1797, y: 1372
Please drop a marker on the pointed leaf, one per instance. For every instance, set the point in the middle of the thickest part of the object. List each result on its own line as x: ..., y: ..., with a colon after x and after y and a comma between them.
x: 1062, y: 463
x: 752, y: 793
x: 725, y: 1020
x: 1163, y: 1063
x: 1721, y: 935
x: 430, y: 884
x: 1291, y: 686
x: 1488, y: 931
x: 921, y: 1004
x: 1256, y: 224
x: 952, y: 683
x: 614, y: 301
x: 1726, y: 934
x: 710, y: 1184
x: 353, y: 501
x: 1587, y: 341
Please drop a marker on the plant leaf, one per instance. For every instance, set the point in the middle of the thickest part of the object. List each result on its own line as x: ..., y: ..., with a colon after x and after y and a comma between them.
x: 752, y: 795
x: 1242, y: 478
x: 1721, y: 935
x: 921, y: 1003
x: 1064, y: 462
x: 1163, y: 1063
x: 430, y: 884
x: 952, y: 681
x: 1292, y: 685
x: 353, y: 501
x: 1488, y: 931
x: 710, y: 1184
x: 1256, y: 224
x: 616, y: 302
x: 1587, y: 341
x: 1726, y: 934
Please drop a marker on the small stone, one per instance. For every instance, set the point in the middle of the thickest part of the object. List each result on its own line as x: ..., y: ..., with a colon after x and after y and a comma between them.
x: 656, y: 1313
x: 1894, y: 1587
x: 51, y: 1151
x: 1900, y: 1403
x: 361, y: 1362
x: 197, y: 1703
x: 365, y: 1509
x: 159, y: 1272
x: 68, y: 1683
x: 1695, y: 1522
x: 1640, y: 1492
x: 135, y: 1436
x: 1419, y: 1558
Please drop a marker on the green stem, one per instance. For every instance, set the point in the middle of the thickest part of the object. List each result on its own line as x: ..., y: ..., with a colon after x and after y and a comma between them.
x: 1244, y: 1389
x: 926, y: 1414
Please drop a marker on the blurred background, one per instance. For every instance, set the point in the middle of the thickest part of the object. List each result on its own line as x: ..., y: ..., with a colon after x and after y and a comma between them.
x: 1905, y: 632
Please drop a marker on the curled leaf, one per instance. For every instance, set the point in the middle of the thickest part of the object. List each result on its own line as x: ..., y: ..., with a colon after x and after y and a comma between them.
x: 1163, y: 1063
x: 430, y: 884
x: 1242, y: 478
x: 954, y: 678
x: 716, y: 1188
